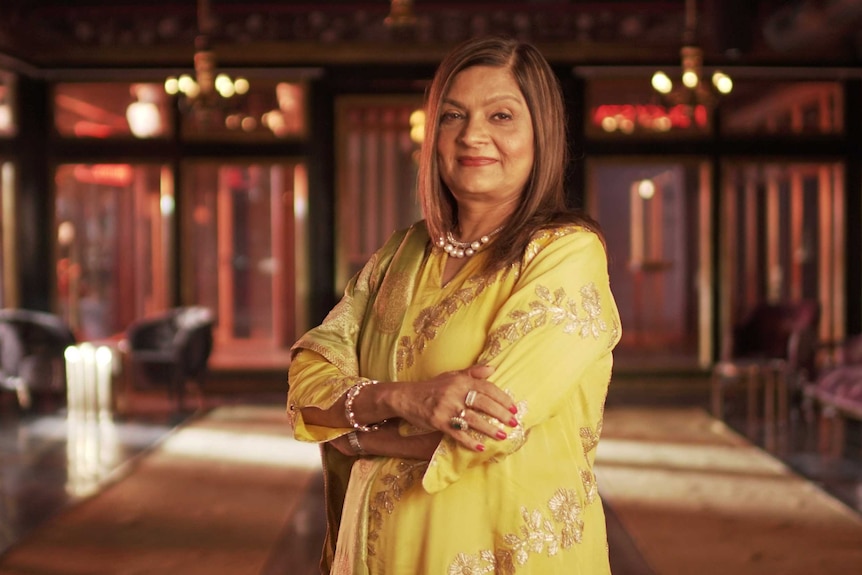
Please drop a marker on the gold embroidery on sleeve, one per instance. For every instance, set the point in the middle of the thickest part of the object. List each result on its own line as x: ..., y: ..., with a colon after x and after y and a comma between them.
x: 538, y: 534
x: 540, y: 240
x: 590, y: 438
x: 591, y: 488
x: 556, y: 309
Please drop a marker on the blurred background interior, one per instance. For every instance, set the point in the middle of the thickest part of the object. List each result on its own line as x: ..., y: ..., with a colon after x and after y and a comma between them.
x: 186, y: 186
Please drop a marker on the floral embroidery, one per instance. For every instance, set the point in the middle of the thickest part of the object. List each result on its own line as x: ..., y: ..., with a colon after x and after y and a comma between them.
x: 466, y: 565
x: 429, y: 321
x: 589, y: 439
x: 391, y: 301
x: 540, y: 240
x: 555, y: 309
x: 384, y: 500
x: 593, y: 324
x: 538, y: 534
x: 615, y: 334
x: 591, y: 487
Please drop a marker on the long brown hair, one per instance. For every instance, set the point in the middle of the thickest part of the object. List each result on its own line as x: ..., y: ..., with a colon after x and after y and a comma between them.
x: 543, y: 200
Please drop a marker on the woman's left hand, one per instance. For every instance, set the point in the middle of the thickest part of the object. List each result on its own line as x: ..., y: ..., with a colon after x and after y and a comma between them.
x: 455, y: 402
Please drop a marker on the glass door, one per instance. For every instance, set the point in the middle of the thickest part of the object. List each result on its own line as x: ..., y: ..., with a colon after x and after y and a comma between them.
x: 112, y: 245
x: 243, y: 236
x: 656, y: 219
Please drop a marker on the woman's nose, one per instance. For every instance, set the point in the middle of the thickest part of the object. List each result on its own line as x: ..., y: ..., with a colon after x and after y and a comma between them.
x: 474, y: 132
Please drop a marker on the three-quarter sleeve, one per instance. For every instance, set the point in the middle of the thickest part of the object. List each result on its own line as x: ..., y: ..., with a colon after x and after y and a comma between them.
x: 559, y: 323
x: 326, y: 362
x: 320, y: 385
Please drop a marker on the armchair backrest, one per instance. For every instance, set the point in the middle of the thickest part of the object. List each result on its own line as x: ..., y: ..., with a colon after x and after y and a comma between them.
x: 184, y: 333
x: 194, y: 337
x: 784, y: 330
x: 26, y: 333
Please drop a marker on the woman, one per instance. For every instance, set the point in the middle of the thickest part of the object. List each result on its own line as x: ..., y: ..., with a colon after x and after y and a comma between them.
x: 458, y: 387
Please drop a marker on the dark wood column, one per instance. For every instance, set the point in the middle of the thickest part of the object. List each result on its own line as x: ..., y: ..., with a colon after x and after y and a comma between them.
x: 34, y: 217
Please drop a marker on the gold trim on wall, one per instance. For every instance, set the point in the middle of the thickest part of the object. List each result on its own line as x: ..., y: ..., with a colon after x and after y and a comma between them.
x: 8, y: 186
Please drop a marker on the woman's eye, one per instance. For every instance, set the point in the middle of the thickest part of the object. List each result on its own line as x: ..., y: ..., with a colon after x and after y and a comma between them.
x: 449, y: 116
x: 502, y: 116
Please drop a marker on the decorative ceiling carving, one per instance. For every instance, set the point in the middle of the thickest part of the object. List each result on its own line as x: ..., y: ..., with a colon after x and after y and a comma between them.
x: 50, y: 33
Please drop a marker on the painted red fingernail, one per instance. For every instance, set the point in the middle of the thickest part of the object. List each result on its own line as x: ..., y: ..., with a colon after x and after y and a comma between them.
x: 480, y: 447
x: 501, y: 435
x: 513, y: 409
x: 513, y: 422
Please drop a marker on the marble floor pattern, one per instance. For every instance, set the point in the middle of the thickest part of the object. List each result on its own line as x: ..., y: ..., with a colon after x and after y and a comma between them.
x: 48, y: 463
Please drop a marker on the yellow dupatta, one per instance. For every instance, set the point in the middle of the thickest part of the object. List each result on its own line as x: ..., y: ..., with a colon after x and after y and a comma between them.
x: 359, y: 337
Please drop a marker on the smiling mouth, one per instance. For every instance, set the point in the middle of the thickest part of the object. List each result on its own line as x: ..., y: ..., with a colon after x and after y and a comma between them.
x: 471, y: 161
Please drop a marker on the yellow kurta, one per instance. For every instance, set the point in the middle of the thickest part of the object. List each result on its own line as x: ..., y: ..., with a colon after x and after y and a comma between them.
x: 527, y: 504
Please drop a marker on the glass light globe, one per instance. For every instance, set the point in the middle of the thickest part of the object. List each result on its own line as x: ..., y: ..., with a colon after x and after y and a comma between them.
x: 722, y: 82
x: 241, y: 85
x: 662, y: 83
x: 172, y: 85
x: 690, y: 79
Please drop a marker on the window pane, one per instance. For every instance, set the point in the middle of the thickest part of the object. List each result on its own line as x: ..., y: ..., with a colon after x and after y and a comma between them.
x: 8, y: 121
x: 783, y: 108
x: 111, y: 110
x: 269, y: 110
x: 113, y: 234
x: 378, y: 139
x: 783, y: 237
x: 629, y: 107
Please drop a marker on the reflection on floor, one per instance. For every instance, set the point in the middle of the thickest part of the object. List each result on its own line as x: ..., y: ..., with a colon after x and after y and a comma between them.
x: 842, y: 478
x: 47, y: 464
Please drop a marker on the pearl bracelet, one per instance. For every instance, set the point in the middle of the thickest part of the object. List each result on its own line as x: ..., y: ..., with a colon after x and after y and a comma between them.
x: 353, y: 440
x: 348, y: 406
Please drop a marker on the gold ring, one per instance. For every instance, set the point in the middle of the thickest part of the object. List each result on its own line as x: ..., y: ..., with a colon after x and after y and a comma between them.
x: 471, y: 398
x: 459, y: 423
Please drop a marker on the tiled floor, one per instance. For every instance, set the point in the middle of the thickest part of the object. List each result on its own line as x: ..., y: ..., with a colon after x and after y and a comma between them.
x: 48, y: 463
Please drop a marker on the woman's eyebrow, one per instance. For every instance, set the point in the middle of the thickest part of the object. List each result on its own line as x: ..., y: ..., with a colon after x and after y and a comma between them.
x: 490, y: 100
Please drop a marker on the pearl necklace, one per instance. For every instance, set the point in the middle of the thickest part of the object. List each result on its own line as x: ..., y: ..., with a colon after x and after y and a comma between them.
x: 458, y: 249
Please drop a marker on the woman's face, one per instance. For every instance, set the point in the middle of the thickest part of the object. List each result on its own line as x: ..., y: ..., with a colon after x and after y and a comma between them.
x: 485, y: 144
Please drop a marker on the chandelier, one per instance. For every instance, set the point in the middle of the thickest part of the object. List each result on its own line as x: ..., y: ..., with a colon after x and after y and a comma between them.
x: 206, y: 93
x: 400, y: 14
x: 694, y: 91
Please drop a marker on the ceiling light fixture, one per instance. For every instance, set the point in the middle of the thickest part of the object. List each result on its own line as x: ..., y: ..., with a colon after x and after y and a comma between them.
x: 206, y: 92
x: 694, y: 91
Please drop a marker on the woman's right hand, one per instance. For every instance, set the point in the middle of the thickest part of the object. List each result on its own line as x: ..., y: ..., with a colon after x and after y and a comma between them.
x: 433, y: 404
